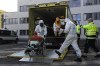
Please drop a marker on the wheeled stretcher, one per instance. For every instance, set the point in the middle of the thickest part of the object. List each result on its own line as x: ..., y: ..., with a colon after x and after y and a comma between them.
x: 36, y: 46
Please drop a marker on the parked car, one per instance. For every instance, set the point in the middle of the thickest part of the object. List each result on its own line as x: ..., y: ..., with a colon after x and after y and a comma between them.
x: 8, y: 36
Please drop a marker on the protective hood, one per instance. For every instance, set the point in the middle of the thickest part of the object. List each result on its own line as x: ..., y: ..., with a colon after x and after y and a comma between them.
x: 41, y: 21
x: 67, y: 20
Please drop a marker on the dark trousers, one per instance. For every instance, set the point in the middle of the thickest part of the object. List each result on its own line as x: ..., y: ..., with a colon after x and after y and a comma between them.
x: 90, y: 43
x: 78, y: 39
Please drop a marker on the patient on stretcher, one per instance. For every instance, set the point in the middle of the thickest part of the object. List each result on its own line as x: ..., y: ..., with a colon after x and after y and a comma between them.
x: 35, y: 44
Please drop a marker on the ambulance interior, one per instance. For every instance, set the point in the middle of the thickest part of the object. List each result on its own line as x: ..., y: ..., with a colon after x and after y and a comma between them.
x: 49, y: 15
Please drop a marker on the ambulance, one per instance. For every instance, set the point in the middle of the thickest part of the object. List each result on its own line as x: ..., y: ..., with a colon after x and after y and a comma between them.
x: 48, y: 12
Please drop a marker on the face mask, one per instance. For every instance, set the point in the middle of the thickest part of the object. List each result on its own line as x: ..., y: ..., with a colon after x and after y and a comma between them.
x: 62, y: 20
x: 41, y: 24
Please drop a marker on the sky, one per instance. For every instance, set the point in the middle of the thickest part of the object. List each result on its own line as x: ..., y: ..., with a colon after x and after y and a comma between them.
x: 8, y: 5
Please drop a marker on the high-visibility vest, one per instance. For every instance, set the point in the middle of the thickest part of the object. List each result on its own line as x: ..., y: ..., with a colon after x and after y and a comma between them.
x: 91, y: 29
x: 78, y: 29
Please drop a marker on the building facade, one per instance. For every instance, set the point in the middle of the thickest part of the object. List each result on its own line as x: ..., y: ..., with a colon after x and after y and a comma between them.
x: 1, y: 18
x: 80, y: 9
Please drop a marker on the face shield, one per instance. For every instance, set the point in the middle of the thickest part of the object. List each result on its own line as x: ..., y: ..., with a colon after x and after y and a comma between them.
x: 41, y: 23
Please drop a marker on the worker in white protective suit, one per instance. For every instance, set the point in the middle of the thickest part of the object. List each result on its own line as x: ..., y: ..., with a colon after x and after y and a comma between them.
x: 57, y: 27
x: 41, y: 29
x: 71, y: 39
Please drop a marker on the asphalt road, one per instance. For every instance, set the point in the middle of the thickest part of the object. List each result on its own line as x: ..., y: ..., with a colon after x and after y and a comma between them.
x: 7, y: 49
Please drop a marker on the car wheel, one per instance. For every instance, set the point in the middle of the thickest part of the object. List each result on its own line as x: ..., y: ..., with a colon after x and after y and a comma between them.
x: 16, y: 41
x: 1, y: 41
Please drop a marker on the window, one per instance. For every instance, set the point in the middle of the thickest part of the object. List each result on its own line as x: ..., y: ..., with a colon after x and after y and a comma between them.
x: 77, y: 17
x: 98, y: 17
x: 95, y: 16
x: 88, y: 2
x: 11, y: 21
x: 24, y: 8
x: 23, y: 32
x: 74, y: 17
x: 6, y: 22
x: 91, y: 2
x: 21, y: 8
x: 98, y: 1
x: 24, y: 20
x: 95, y: 2
x: 15, y: 21
x: 74, y: 3
x: 87, y: 16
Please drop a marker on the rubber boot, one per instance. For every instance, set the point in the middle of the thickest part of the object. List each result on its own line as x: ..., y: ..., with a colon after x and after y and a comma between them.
x: 78, y: 60
x: 59, y: 54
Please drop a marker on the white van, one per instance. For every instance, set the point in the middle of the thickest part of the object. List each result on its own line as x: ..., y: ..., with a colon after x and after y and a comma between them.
x: 8, y: 36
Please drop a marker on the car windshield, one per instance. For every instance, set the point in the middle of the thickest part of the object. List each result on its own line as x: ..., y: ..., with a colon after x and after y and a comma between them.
x: 5, y: 32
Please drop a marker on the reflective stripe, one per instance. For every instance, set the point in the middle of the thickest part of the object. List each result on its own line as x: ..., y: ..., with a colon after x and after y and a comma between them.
x: 91, y: 33
x: 91, y: 37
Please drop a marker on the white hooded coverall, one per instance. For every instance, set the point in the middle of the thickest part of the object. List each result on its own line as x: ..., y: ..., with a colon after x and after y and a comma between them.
x: 55, y: 29
x: 41, y: 30
x: 71, y: 38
